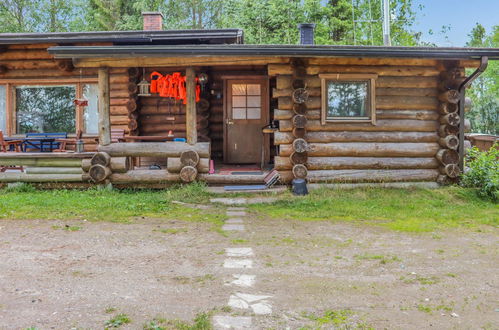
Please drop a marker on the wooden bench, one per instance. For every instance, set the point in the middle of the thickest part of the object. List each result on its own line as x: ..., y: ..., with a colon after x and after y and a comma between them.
x: 40, y: 141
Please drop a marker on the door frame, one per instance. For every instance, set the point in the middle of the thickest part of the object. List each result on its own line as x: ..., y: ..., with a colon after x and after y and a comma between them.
x: 264, y: 79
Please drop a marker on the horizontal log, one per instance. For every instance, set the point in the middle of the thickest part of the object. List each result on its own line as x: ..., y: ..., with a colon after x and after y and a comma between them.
x: 144, y: 176
x: 407, y: 102
x: 381, y: 125
x: 340, y: 163
x: 407, y: 114
x: 49, y: 64
x: 178, y: 61
x: 155, y: 149
x: 119, y: 120
x: 41, y: 162
x: 345, y: 176
x: 25, y: 177
x: 35, y: 54
x: 174, y: 165
x: 394, y: 91
x: 367, y: 149
x: 287, y: 138
x: 407, y: 82
x: 53, y: 170
x: 117, y: 110
x: 384, y: 70
x: 48, y: 73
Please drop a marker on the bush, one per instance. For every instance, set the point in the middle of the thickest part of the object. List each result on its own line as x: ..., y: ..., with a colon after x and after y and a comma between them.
x: 482, y: 172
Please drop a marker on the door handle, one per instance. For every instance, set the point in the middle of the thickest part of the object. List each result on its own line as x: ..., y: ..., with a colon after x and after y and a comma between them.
x: 229, y: 121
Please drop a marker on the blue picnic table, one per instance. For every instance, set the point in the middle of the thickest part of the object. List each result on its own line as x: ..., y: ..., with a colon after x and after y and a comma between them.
x: 42, y: 142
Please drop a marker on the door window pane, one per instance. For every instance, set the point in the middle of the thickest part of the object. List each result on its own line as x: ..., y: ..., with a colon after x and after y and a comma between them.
x: 239, y: 101
x: 91, y: 114
x: 254, y: 113
x: 254, y: 101
x: 347, y: 99
x: 238, y: 113
x: 45, y: 109
x: 254, y: 89
x: 3, y: 110
x: 238, y: 89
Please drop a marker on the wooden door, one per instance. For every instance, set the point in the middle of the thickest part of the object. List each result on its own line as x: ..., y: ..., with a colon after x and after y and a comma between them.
x: 245, y: 114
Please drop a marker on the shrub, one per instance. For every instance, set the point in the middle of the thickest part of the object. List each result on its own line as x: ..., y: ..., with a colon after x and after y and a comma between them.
x: 482, y: 172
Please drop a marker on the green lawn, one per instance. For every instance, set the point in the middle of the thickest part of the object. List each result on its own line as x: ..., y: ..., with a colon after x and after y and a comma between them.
x: 104, y: 205
x: 414, y: 210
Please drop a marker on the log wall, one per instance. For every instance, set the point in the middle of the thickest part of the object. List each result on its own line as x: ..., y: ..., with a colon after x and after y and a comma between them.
x: 401, y: 146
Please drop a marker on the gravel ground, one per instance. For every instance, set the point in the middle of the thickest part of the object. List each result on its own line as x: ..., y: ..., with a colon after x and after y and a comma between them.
x: 76, y: 274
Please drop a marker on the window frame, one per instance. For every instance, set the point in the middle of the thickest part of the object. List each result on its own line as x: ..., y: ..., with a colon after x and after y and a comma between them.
x: 370, y: 78
x: 10, y: 104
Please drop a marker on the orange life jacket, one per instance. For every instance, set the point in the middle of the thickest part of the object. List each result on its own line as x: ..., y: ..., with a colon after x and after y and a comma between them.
x: 155, y: 77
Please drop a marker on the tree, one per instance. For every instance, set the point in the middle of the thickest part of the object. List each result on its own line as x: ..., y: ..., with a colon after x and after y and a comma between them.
x: 484, y: 115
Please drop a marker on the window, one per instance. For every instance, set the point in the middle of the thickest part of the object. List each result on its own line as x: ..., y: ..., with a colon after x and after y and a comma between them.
x: 45, y: 109
x: 246, y: 101
x: 348, y: 98
x: 3, y: 108
x: 48, y: 107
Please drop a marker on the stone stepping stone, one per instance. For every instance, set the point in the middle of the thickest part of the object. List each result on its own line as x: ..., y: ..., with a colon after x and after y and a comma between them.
x: 232, y: 227
x: 231, y: 322
x: 238, y: 263
x: 239, y: 252
x: 236, y: 213
x: 258, y: 304
x: 243, y: 280
x: 234, y: 220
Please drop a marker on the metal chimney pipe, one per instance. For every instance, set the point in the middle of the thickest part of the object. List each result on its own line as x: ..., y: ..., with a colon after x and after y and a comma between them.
x: 306, y: 33
x: 386, y: 23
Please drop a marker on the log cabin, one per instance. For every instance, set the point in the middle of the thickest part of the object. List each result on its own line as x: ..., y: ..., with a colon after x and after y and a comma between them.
x: 327, y: 114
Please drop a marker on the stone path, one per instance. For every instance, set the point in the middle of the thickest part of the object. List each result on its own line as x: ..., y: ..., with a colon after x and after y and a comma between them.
x: 240, y: 259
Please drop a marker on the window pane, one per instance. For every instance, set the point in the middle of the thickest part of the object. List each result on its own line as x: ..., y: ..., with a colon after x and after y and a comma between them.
x: 91, y: 114
x: 239, y: 101
x: 254, y: 101
x: 254, y: 113
x: 238, y: 113
x: 347, y: 99
x: 3, y: 110
x: 238, y: 89
x: 254, y: 89
x: 45, y: 109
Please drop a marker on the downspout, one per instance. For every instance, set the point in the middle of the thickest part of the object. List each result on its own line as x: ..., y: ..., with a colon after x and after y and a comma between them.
x: 484, y: 61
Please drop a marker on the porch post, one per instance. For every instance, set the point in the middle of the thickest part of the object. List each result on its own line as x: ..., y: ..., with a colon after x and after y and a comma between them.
x: 104, y: 107
x: 190, y: 115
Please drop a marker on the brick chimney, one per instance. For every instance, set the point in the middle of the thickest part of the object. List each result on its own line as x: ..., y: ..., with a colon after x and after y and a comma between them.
x: 153, y: 21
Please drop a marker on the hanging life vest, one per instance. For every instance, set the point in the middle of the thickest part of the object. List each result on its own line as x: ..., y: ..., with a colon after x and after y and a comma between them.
x: 155, y: 77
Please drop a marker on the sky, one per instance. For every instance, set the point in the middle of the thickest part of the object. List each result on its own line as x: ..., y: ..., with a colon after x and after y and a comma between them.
x: 460, y: 15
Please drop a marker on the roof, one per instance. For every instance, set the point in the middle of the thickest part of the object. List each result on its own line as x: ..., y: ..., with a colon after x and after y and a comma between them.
x: 272, y: 50
x: 220, y: 36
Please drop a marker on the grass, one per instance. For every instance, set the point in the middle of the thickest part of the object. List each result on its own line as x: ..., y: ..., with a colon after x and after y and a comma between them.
x: 335, y: 319
x: 201, y: 322
x: 122, y: 206
x: 412, y: 210
x: 117, y: 321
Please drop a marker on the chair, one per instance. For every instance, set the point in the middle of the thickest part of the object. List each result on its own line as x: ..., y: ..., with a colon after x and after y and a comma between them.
x: 6, y: 146
x: 63, y: 143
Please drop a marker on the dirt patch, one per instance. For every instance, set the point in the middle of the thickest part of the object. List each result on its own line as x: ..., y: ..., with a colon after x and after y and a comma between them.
x: 56, y: 274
